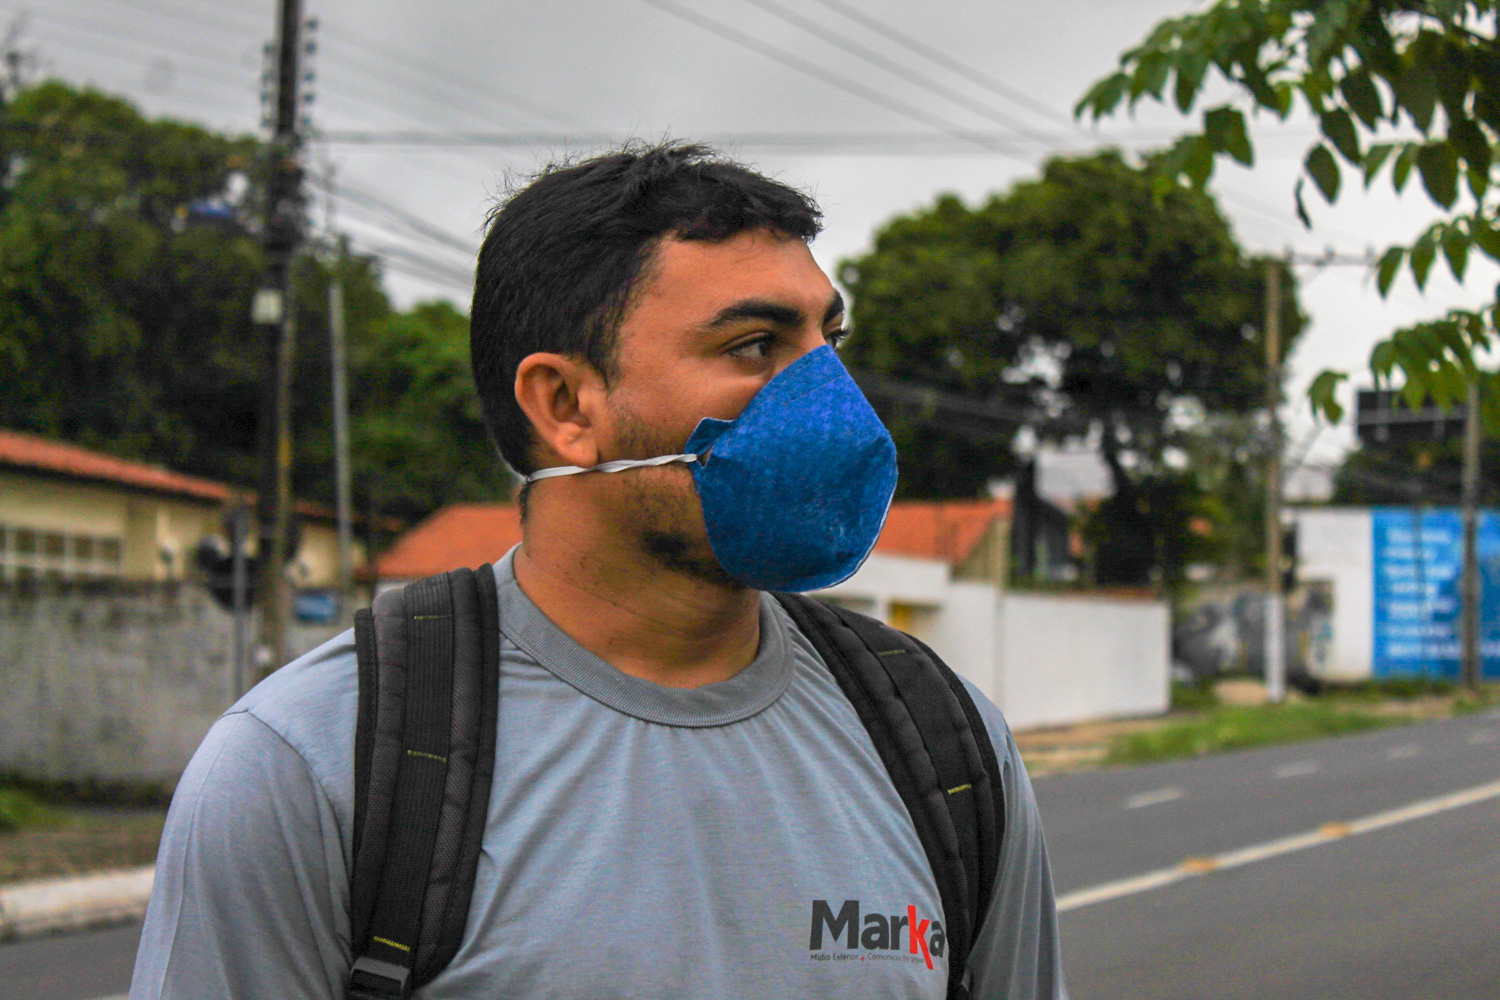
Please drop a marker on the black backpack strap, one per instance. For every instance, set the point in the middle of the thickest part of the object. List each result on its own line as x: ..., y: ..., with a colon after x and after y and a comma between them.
x: 935, y: 746
x: 429, y: 667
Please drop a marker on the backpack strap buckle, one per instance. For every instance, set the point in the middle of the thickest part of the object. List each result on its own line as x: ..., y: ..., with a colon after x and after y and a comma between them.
x: 372, y: 979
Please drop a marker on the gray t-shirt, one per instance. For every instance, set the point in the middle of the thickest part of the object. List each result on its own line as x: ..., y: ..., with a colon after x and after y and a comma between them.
x: 740, y: 839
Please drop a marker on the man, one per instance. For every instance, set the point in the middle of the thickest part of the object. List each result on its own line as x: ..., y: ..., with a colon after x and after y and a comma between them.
x: 680, y: 787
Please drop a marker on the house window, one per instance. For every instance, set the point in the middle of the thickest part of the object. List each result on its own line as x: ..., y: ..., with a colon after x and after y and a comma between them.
x: 26, y: 553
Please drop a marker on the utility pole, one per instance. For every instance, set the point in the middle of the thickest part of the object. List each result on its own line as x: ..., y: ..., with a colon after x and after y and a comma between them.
x: 274, y: 315
x: 239, y: 532
x: 1469, y: 631
x: 342, y: 480
x: 1275, y: 639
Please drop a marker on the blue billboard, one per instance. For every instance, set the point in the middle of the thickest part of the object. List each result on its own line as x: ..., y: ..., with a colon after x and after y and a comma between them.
x: 1418, y: 565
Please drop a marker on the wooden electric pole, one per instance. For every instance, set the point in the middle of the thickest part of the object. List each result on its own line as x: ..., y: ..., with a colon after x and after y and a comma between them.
x: 274, y: 314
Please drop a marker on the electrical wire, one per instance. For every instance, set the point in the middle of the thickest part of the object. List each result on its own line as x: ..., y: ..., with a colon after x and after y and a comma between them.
x: 874, y: 58
x: 828, y: 76
x: 412, y: 224
x: 890, y: 33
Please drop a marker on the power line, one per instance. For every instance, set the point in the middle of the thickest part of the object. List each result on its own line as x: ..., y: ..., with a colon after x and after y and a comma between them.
x: 838, y: 80
x: 415, y: 225
x: 979, y: 141
x: 434, y: 267
x: 942, y: 59
x: 891, y: 66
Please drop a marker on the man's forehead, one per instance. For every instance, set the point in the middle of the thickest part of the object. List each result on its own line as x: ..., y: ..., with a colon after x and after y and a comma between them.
x: 704, y: 276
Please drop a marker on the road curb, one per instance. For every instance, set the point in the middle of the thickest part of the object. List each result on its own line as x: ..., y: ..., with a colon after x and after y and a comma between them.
x: 63, y: 904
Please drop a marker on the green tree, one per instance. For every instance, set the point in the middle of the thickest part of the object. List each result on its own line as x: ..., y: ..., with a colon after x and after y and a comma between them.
x: 1408, y: 85
x: 418, y: 439
x: 1105, y: 306
x: 128, y: 257
x: 125, y: 266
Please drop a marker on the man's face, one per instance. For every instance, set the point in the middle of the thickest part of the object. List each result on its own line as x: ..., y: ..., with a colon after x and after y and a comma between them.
x: 711, y: 325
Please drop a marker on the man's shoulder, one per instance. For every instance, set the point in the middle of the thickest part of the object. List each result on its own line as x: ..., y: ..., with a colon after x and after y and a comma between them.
x: 994, y: 719
x: 312, y: 704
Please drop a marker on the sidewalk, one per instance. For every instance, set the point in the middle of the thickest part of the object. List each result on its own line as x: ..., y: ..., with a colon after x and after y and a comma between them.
x: 74, y: 902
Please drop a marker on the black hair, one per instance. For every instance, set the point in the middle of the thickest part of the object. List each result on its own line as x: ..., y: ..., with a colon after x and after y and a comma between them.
x: 562, y: 258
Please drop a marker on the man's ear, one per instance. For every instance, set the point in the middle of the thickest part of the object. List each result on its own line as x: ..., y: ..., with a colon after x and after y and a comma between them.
x: 563, y: 397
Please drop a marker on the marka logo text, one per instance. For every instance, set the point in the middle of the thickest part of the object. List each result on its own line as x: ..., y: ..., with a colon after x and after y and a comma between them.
x: 877, y: 932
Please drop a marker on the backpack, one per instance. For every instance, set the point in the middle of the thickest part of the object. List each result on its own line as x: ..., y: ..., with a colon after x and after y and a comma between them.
x: 429, y: 683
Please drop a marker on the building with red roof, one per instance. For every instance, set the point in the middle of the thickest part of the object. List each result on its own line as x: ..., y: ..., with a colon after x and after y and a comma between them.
x: 68, y: 512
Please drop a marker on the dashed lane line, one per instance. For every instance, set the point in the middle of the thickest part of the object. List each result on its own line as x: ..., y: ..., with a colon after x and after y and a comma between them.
x: 1327, y: 833
x: 1297, y: 769
x: 1403, y: 752
x: 1154, y: 798
x: 1479, y: 736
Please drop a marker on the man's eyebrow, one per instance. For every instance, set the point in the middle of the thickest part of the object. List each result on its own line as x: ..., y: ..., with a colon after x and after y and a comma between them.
x: 762, y: 309
x: 835, y: 308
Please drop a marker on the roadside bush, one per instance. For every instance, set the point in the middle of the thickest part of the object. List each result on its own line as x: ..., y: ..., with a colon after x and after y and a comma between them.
x: 19, y: 809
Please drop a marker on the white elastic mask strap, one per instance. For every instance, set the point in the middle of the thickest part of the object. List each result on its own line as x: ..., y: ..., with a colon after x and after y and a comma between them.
x: 619, y: 465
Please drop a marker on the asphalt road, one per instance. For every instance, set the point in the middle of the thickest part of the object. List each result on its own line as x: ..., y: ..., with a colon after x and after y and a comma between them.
x: 1411, y: 911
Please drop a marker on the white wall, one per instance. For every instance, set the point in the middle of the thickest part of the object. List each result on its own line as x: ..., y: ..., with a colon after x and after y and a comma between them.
x: 1067, y: 658
x: 885, y: 580
x: 967, y: 636
x: 1335, y: 544
x: 1045, y: 659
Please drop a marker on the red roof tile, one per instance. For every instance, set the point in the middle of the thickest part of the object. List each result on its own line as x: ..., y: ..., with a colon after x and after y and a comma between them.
x: 464, y: 534
x: 947, y: 530
x: 31, y: 452
x: 28, y: 451
x: 475, y: 533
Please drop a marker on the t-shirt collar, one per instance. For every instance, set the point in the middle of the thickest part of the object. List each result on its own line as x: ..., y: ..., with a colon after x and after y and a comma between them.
x: 747, y: 693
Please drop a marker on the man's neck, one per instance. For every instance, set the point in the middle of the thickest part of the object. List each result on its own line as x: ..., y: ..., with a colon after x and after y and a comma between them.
x: 626, y: 608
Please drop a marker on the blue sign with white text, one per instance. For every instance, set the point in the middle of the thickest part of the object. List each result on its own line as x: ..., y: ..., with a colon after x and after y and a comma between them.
x: 1418, y: 556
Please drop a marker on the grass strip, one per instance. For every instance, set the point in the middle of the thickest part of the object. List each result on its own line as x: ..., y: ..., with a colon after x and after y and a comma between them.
x: 1239, y: 727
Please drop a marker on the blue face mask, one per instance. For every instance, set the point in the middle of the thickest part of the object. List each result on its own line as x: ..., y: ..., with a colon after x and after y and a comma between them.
x: 796, y: 488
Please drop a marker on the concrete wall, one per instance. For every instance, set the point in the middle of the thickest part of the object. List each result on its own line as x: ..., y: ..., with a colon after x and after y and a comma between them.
x: 1334, y: 545
x: 1045, y: 659
x: 1066, y: 659
x: 114, y: 683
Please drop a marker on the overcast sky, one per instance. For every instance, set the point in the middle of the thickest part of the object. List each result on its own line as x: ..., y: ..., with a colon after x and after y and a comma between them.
x: 645, y: 68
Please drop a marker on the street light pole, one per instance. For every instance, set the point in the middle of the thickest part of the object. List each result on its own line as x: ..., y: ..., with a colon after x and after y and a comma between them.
x: 1469, y: 633
x: 1275, y: 637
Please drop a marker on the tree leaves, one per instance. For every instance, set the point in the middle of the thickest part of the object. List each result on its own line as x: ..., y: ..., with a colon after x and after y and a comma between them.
x: 1359, y: 66
x: 1324, y: 172
x: 1388, y: 268
x: 1456, y: 250
x: 1423, y: 253
x: 1339, y: 129
x: 1225, y: 128
x: 1439, y: 169
x: 1375, y: 158
x: 1359, y: 93
x: 1322, y: 393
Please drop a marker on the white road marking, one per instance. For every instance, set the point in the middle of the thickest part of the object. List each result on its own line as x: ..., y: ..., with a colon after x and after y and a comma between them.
x: 1154, y: 798
x: 1403, y: 751
x: 1297, y: 769
x: 1479, y: 736
x: 1328, y: 832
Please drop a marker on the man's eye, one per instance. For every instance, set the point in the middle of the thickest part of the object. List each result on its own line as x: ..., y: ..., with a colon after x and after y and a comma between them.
x: 836, y: 338
x: 758, y: 348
